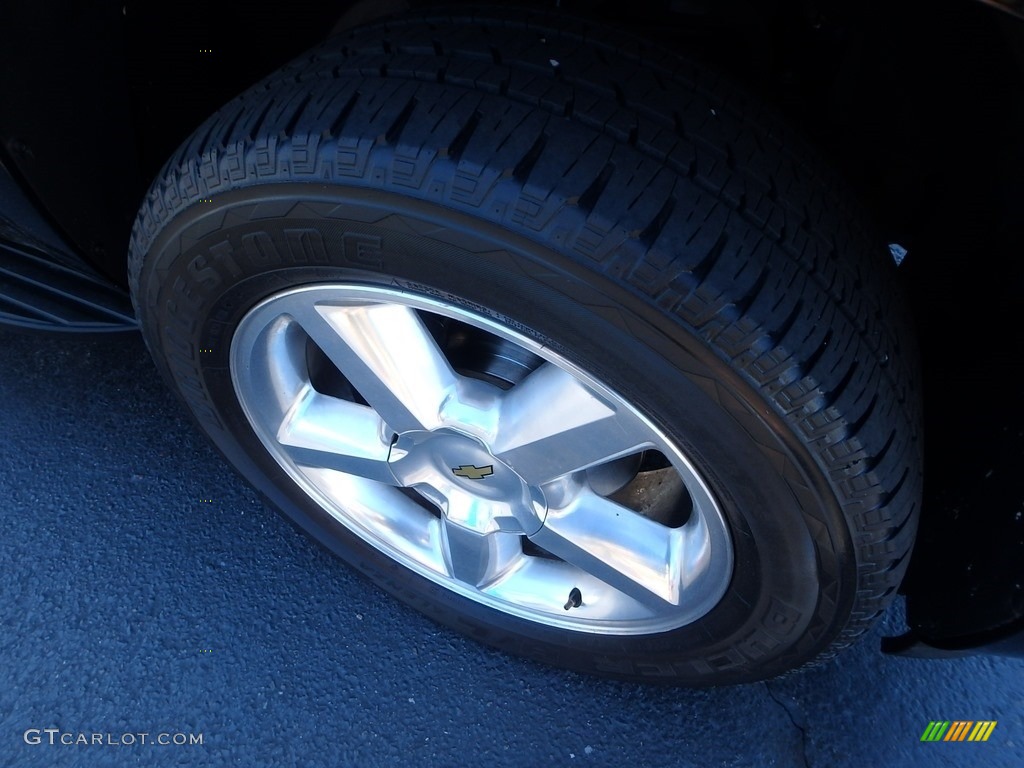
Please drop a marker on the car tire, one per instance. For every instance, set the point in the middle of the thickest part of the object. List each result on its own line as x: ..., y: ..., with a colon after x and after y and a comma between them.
x: 574, y: 333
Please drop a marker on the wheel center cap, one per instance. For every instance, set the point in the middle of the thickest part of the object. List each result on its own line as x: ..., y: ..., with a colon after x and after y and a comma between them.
x: 472, y: 488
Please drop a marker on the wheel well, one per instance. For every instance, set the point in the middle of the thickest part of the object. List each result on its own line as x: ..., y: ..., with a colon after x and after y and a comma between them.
x: 889, y: 92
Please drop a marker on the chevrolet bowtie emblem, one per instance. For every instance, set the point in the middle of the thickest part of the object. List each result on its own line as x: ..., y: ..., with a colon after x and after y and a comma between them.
x: 471, y: 472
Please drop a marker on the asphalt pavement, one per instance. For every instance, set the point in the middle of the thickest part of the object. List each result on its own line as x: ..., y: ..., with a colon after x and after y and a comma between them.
x: 146, y: 589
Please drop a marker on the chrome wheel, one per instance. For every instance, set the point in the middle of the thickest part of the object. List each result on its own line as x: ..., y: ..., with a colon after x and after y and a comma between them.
x: 481, y: 460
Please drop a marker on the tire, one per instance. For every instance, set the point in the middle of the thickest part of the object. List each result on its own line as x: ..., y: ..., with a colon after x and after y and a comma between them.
x: 357, y: 265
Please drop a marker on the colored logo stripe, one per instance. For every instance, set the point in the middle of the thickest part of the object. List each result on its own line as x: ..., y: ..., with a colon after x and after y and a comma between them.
x: 982, y: 730
x: 958, y: 730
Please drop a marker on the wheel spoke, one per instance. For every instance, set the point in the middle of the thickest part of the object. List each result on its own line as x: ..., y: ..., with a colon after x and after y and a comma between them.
x: 479, y: 559
x: 389, y: 356
x: 323, y: 431
x: 626, y: 551
x: 551, y: 424
x: 385, y: 514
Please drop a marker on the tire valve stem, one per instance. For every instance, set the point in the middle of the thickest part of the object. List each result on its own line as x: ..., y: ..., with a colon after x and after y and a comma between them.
x: 575, y: 599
